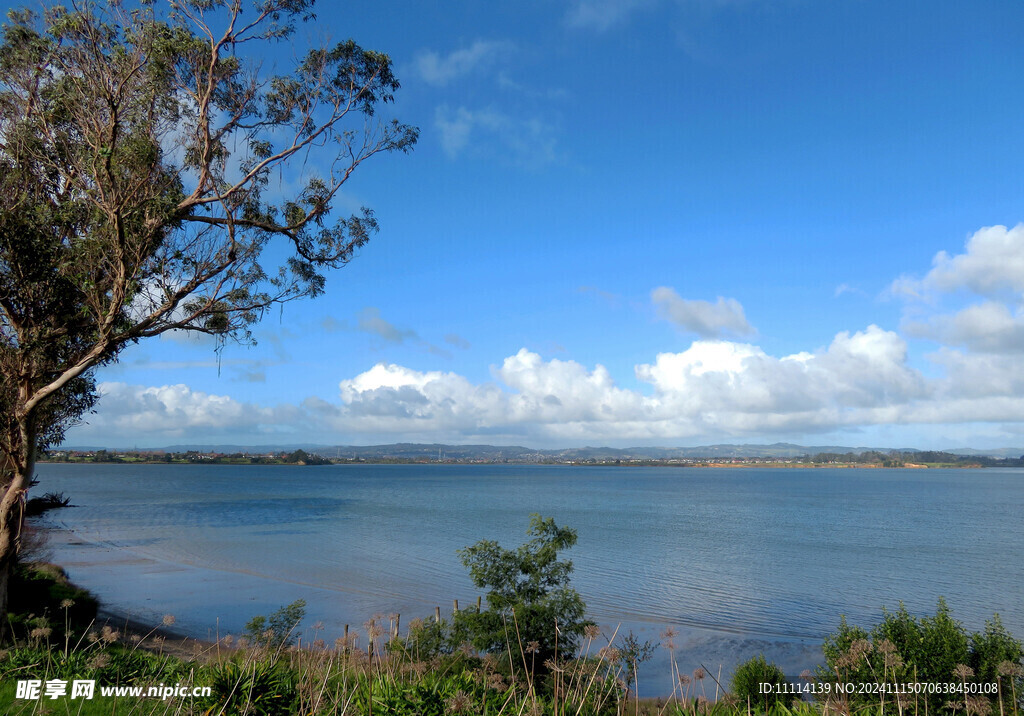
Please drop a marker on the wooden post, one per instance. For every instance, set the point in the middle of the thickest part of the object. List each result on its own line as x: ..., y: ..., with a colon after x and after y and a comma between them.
x: 398, y: 618
x: 478, y: 600
x: 455, y: 606
x: 344, y: 649
x: 437, y: 614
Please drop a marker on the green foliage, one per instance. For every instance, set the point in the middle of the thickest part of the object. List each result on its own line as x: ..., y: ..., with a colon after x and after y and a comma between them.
x: 991, y: 648
x: 253, y: 688
x: 904, y: 649
x: 42, y: 588
x: 432, y: 694
x: 278, y: 630
x: 303, y: 457
x: 532, y: 611
x: 109, y: 665
x: 42, y: 662
x: 747, y: 683
x: 428, y: 639
x: 633, y: 653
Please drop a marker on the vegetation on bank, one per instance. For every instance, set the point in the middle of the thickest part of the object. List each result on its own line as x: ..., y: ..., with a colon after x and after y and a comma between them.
x: 272, y: 672
x: 870, y: 458
x: 191, y: 457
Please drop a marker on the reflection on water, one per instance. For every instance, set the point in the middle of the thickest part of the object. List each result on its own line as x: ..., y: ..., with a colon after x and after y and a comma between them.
x: 744, y: 560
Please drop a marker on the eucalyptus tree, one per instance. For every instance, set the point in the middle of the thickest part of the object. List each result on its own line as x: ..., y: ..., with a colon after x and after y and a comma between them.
x: 147, y: 163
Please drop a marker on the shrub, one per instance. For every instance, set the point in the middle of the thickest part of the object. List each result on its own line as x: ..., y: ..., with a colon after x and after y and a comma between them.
x: 992, y: 647
x: 432, y: 694
x: 40, y: 588
x: 278, y: 630
x: 428, y: 639
x: 633, y: 652
x: 532, y: 610
x: 903, y: 649
x: 747, y: 681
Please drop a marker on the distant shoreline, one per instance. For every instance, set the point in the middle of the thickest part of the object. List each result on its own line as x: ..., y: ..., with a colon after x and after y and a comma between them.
x: 754, y: 462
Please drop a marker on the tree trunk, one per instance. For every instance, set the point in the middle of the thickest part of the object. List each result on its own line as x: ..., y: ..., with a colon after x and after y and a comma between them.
x: 18, y: 475
x: 6, y: 567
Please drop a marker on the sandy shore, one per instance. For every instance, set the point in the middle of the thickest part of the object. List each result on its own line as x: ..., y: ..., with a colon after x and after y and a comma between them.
x: 159, y: 639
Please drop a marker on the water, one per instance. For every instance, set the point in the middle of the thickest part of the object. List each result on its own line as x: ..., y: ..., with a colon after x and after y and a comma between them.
x: 740, y: 561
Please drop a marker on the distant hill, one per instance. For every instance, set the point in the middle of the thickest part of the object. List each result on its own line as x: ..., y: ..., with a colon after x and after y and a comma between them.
x: 999, y: 452
x: 518, y: 453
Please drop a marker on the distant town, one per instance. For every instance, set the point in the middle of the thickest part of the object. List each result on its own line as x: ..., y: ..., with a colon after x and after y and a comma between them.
x: 491, y: 455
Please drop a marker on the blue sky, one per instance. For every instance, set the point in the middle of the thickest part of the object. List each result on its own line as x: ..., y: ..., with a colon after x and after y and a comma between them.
x: 651, y: 222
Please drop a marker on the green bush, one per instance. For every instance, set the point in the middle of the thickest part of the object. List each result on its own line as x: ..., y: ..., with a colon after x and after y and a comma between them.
x: 991, y: 648
x: 42, y: 588
x: 429, y: 638
x: 904, y: 649
x: 747, y: 683
x: 278, y: 630
x: 532, y: 611
x: 432, y: 694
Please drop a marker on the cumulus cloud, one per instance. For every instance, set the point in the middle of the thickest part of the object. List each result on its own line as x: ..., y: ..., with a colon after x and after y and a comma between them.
x: 739, y: 385
x: 990, y: 271
x: 439, y: 70
x: 172, y: 410
x: 714, y: 387
x: 387, y: 396
x: 706, y: 319
x: 988, y: 327
x: 991, y: 264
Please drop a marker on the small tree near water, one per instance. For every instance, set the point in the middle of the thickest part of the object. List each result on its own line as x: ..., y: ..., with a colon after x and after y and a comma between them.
x: 279, y: 629
x: 532, y: 611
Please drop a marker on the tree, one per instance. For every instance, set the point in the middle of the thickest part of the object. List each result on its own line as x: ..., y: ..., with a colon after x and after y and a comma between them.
x: 530, y: 605
x: 146, y: 166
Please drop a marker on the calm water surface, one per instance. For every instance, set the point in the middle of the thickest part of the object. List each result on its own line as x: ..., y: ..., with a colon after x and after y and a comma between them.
x: 740, y: 561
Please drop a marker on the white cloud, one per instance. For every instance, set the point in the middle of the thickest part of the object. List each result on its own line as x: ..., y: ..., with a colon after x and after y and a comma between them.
x: 601, y: 15
x: 738, y: 384
x: 526, y: 141
x: 713, y: 390
x: 708, y: 320
x: 393, y: 398
x: 988, y: 327
x: 439, y: 70
x: 991, y: 268
x: 992, y: 262
x: 172, y: 410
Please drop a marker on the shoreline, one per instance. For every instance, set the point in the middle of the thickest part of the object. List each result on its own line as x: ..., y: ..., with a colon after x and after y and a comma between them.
x: 160, y: 639
x: 746, y: 463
